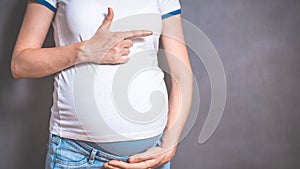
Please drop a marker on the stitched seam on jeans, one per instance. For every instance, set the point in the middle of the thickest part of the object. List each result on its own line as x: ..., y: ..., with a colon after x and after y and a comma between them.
x: 55, y: 155
x: 72, y: 163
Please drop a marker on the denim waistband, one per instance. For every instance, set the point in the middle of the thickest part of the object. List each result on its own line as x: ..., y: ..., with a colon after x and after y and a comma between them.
x: 92, y: 152
x: 127, y: 147
x: 95, y: 152
x: 100, y: 154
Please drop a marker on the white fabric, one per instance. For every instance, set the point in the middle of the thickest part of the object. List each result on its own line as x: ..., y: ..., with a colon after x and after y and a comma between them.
x: 78, y: 20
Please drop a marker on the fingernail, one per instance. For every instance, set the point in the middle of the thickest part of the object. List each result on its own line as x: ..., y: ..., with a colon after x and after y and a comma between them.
x: 149, y: 32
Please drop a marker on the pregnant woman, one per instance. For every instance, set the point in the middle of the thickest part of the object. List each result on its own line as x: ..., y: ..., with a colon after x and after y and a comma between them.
x: 111, y: 108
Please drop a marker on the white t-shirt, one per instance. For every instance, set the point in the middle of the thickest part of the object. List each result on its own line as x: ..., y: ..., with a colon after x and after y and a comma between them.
x: 102, y: 102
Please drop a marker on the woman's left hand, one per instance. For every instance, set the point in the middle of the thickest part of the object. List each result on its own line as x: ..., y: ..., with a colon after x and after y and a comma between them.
x: 152, y: 158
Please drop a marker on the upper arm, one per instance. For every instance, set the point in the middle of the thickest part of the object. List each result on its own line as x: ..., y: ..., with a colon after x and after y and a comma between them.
x: 173, y: 43
x: 35, y: 26
x: 172, y: 38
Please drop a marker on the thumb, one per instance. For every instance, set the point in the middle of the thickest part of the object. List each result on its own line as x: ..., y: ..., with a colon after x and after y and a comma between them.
x: 108, y: 20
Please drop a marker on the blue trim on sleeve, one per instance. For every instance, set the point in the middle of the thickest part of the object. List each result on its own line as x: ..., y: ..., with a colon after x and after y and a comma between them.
x: 47, y: 4
x: 178, y: 11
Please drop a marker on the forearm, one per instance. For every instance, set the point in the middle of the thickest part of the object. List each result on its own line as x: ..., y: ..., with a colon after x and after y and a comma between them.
x: 180, y: 100
x: 36, y: 63
x: 180, y: 95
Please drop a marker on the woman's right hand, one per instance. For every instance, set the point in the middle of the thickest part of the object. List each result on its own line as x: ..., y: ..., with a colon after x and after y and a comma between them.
x: 107, y: 47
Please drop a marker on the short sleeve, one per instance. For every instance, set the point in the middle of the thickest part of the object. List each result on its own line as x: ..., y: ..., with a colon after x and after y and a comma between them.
x: 51, y: 4
x: 169, y: 8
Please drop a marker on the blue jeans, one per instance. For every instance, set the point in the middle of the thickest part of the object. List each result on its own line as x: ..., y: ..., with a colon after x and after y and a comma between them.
x: 67, y: 153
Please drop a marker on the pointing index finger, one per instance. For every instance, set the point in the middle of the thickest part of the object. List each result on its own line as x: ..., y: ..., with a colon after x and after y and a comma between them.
x: 135, y: 34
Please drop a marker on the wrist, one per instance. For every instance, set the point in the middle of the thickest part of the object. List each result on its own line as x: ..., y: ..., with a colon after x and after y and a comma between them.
x: 170, y: 137
x: 81, y: 53
x: 170, y: 153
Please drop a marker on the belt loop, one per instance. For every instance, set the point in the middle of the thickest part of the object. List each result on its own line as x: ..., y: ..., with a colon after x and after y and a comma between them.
x: 56, y: 139
x: 92, y: 156
x: 159, y: 143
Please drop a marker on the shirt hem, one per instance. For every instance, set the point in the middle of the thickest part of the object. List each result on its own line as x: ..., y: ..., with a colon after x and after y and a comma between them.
x: 172, y: 13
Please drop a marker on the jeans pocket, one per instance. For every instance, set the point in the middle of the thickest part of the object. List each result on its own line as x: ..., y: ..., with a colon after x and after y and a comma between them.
x: 69, y: 154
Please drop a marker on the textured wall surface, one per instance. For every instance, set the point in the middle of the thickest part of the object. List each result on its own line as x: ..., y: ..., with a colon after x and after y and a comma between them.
x: 258, y: 42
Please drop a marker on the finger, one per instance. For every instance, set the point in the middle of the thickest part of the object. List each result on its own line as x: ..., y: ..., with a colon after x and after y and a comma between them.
x: 147, y: 155
x: 108, y: 20
x: 127, y: 43
x: 140, y: 159
x: 125, y: 52
x: 135, y: 34
x: 107, y: 166
x: 140, y: 165
x: 124, y: 59
x: 121, y: 164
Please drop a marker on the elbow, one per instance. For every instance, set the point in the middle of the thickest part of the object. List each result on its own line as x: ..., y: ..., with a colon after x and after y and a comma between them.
x: 184, y: 76
x: 187, y: 80
x: 15, y: 66
x: 14, y: 69
x: 183, y: 80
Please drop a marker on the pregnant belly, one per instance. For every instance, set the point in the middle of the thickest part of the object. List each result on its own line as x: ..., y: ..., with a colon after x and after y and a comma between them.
x: 116, y: 102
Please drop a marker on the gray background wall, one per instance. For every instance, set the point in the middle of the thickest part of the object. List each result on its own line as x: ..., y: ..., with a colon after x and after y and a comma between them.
x: 258, y: 41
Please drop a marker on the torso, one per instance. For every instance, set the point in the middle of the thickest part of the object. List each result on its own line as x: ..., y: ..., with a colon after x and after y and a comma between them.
x: 105, y: 103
